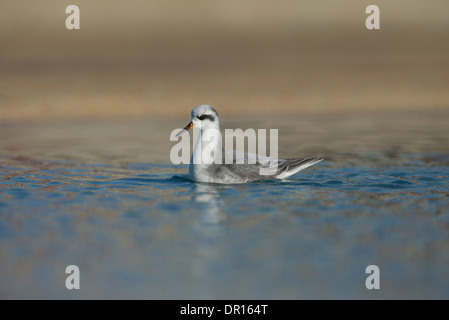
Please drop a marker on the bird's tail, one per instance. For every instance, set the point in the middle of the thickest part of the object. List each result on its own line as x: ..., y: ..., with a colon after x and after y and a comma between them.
x: 291, y: 166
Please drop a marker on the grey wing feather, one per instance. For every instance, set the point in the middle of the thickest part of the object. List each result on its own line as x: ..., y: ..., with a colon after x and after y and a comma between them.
x: 247, y: 166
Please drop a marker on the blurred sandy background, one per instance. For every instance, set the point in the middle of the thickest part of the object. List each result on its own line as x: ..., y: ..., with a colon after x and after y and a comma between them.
x: 141, y: 58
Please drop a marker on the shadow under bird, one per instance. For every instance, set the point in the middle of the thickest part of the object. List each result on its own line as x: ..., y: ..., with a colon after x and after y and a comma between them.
x: 245, y: 167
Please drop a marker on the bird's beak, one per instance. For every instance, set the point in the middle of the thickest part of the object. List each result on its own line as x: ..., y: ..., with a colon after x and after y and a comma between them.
x: 187, y: 128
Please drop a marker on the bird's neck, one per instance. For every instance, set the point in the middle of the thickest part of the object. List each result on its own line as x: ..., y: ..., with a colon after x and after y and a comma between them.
x: 208, y: 147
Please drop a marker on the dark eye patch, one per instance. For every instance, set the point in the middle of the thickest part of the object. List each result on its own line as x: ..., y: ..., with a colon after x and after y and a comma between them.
x: 206, y: 116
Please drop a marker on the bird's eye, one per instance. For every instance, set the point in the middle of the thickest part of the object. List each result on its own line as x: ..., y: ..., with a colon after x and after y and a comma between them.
x: 206, y: 116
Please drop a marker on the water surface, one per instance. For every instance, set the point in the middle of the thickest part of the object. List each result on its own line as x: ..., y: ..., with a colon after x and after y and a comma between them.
x: 104, y: 196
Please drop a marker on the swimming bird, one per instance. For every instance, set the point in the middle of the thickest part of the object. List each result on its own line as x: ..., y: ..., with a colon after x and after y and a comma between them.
x: 244, y: 167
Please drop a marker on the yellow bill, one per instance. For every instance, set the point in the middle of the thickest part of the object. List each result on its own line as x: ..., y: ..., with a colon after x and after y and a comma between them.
x: 187, y: 128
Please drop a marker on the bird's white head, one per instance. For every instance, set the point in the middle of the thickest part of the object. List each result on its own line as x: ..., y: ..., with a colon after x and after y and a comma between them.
x: 204, y: 117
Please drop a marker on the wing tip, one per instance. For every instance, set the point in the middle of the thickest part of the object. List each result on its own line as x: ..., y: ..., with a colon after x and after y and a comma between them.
x: 318, y: 159
x: 303, y: 164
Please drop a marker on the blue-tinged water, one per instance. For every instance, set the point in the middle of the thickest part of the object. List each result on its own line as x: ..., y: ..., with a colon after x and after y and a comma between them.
x: 143, y: 230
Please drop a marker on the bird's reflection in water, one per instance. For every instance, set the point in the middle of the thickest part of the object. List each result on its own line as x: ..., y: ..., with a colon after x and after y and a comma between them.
x: 211, y: 237
x: 210, y: 205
